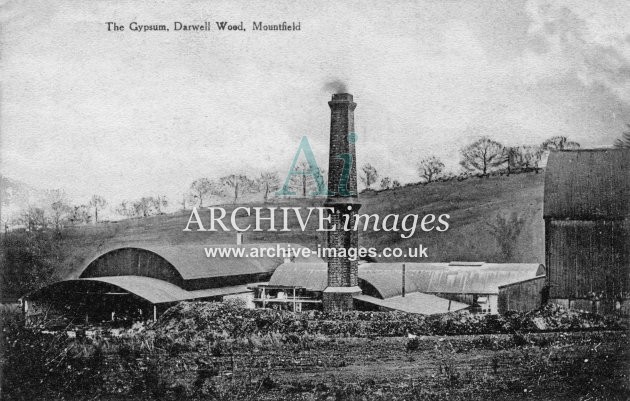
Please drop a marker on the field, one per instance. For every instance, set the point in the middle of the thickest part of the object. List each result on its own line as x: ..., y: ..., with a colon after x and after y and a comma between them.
x: 221, y: 352
x: 472, y: 204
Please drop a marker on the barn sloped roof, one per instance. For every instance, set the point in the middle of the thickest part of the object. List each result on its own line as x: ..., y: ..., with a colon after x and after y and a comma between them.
x: 588, y: 184
x: 191, y: 261
x: 386, y: 278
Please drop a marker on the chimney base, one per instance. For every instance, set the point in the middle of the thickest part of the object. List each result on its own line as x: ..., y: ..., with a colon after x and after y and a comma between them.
x: 338, y: 299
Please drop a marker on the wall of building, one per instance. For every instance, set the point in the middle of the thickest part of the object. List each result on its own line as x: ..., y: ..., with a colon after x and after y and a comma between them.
x: 588, y: 259
x: 225, y: 281
x: 523, y: 296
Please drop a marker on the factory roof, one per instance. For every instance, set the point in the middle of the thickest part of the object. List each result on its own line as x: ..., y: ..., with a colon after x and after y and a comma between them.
x: 310, y: 276
x: 184, y: 261
x: 386, y: 278
x: 150, y: 289
x: 450, y: 278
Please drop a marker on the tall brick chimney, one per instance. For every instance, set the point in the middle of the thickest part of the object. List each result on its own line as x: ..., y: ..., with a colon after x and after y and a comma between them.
x: 342, y: 182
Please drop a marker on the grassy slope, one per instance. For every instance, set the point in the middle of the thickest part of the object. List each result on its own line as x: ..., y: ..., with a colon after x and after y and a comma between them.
x: 471, y: 204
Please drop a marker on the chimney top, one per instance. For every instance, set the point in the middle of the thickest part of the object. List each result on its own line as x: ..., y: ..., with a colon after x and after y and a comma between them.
x: 342, y: 97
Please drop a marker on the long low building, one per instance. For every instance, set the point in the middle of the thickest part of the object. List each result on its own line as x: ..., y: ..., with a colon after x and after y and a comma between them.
x: 140, y: 282
x: 426, y: 288
x: 143, y: 281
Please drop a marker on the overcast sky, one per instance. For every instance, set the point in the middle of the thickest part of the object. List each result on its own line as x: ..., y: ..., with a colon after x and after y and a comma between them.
x: 126, y: 114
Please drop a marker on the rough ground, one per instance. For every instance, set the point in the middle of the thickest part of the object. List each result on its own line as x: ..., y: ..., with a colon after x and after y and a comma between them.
x: 587, y: 366
x: 542, y: 366
x: 221, y: 351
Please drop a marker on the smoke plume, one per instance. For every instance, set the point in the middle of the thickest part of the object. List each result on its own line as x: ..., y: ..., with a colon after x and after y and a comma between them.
x: 335, y: 86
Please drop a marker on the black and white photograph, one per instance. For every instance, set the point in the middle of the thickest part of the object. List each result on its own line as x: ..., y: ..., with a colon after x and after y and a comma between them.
x: 333, y: 200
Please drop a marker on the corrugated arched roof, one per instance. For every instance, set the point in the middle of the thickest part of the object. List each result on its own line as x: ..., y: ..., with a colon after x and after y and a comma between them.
x: 446, y: 277
x: 386, y: 278
x: 150, y: 289
x: 188, y: 261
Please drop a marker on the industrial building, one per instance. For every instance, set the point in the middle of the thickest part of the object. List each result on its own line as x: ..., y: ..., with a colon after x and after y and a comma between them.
x: 587, y: 229
x: 425, y: 288
x: 141, y: 282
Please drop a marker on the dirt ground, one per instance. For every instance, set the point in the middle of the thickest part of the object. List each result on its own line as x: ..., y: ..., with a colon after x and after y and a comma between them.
x: 448, y: 369
x: 552, y: 366
x: 585, y: 365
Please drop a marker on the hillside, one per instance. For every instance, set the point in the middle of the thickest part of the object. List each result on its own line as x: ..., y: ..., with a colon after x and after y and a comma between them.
x: 471, y: 204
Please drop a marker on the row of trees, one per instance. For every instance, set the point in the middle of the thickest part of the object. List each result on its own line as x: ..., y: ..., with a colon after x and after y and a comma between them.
x: 143, y: 207
x: 233, y: 186
x: 56, y: 211
x: 480, y: 157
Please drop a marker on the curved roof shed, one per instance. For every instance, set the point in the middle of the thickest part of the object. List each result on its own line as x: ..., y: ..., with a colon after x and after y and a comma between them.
x: 431, y: 278
x: 170, y: 273
x: 189, y: 266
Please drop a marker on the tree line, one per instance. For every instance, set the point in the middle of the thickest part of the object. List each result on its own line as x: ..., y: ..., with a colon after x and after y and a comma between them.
x: 481, y: 157
x: 56, y: 211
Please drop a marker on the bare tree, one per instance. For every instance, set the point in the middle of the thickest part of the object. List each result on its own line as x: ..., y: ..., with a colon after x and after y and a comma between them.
x: 59, y: 207
x: 35, y: 219
x: 559, y: 143
x: 385, y: 183
x: 483, y: 155
x: 268, y: 181
x: 524, y: 157
x: 369, y: 175
x: 304, y: 182
x: 144, y: 206
x: 98, y: 203
x: 430, y: 169
x: 158, y: 202
x: 239, y: 184
x: 624, y: 141
x: 80, y: 214
x: 200, y: 188
x: 126, y: 209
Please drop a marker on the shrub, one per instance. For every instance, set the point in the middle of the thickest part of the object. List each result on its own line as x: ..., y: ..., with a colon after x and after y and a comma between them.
x: 413, y: 344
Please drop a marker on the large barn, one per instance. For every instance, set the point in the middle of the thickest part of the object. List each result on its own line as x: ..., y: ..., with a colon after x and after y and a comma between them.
x: 141, y: 282
x: 587, y: 229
